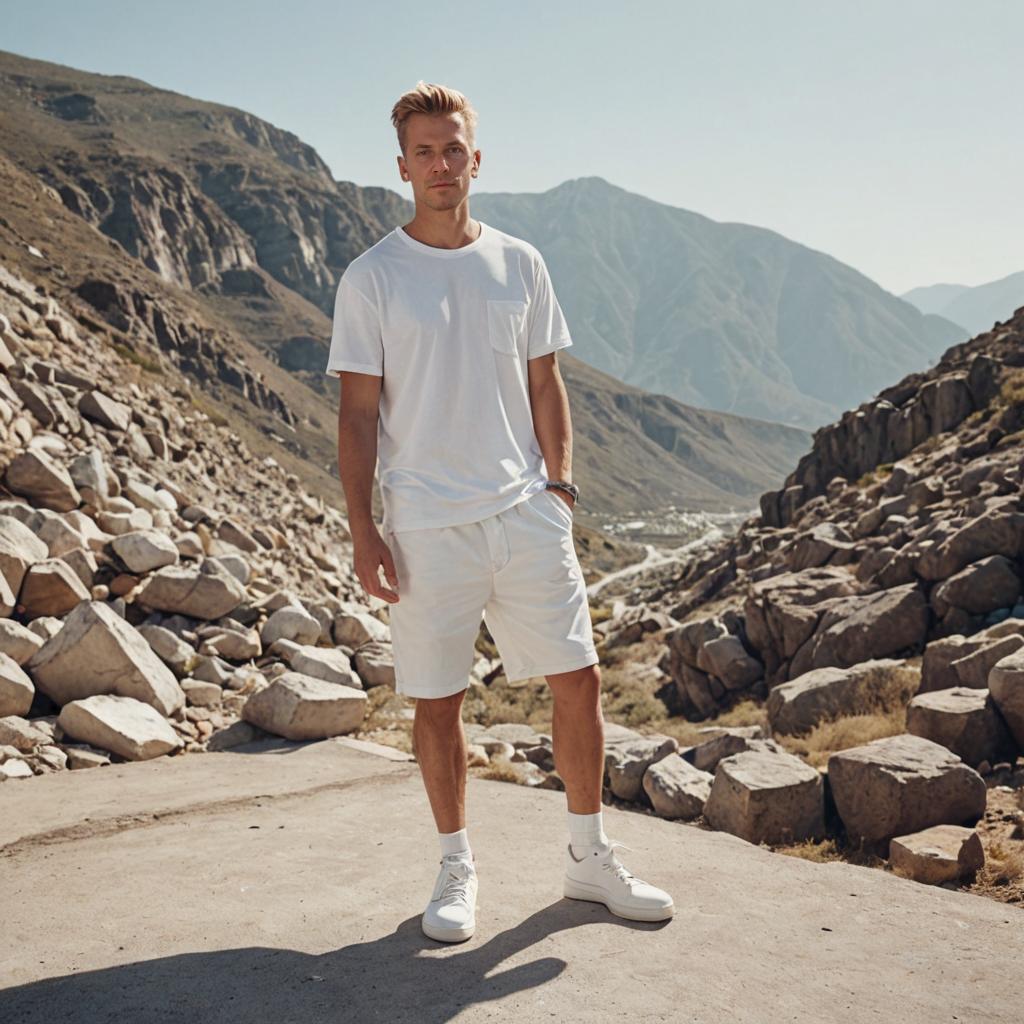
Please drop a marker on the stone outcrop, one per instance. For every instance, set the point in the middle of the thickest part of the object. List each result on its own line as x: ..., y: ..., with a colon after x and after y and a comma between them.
x: 902, y: 784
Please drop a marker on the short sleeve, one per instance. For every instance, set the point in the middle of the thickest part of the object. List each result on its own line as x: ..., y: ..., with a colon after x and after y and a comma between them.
x: 548, y: 330
x: 356, y: 342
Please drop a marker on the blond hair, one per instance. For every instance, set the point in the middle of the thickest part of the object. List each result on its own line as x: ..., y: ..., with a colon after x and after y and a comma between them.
x: 429, y: 98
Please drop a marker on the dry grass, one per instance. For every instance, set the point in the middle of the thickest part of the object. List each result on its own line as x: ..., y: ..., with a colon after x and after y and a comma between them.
x: 884, y: 704
x: 825, y: 739
x: 499, y: 771
x: 1011, y: 392
x: 1004, y: 863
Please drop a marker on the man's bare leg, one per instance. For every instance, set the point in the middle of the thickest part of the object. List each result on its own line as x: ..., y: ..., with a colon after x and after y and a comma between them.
x: 439, y: 743
x: 577, y: 734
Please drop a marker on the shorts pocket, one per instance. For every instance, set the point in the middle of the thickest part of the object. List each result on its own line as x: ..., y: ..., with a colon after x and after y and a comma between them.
x: 506, y: 319
x: 563, y: 506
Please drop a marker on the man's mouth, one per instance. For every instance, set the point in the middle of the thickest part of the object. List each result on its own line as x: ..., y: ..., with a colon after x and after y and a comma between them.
x: 443, y: 184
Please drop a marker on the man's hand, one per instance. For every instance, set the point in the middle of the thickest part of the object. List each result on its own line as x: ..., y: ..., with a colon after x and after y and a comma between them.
x: 370, y: 552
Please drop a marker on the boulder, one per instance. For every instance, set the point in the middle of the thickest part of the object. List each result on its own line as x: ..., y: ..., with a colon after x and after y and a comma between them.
x: 21, y: 734
x: 861, y: 628
x: 20, y: 549
x: 353, y: 628
x: 1006, y: 685
x: 300, y: 707
x: 170, y: 648
x: 730, y: 662
x: 327, y: 663
x: 291, y: 623
x: 375, y: 663
x: 974, y: 669
x: 207, y: 593
x: 942, y: 853
x: 98, y: 652
x: 900, y: 784
x: 675, y: 788
x: 767, y: 797
x: 102, y: 409
x: 993, y: 533
x: 964, y: 720
x: 980, y: 588
x: 122, y: 725
x: 34, y: 475
x: 145, y: 550
x: 18, y: 641
x: 828, y: 693
x: 16, y: 689
x: 626, y: 764
x: 707, y: 755
x: 51, y: 587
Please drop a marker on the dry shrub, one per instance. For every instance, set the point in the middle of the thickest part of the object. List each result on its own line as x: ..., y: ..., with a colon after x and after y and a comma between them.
x: 1004, y: 862
x: 500, y: 771
x: 821, y: 851
x: 816, y: 746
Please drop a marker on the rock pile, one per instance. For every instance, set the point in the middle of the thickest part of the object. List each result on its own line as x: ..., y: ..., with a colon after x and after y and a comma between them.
x: 886, y: 573
x: 143, y: 613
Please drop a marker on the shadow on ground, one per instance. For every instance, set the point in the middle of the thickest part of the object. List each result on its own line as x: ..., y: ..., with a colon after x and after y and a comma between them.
x: 404, y: 976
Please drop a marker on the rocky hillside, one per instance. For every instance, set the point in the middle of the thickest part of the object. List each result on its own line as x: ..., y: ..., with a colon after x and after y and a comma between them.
x: 871, y: 619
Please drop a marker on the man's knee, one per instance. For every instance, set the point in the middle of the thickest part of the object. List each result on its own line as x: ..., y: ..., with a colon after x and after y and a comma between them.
x: 440, y: 709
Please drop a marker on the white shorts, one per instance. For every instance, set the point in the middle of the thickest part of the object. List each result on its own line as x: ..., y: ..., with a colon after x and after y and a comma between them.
x: 518, y: 569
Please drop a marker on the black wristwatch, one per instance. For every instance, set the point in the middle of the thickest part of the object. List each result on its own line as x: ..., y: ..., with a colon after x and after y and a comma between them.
x: 564, y: 485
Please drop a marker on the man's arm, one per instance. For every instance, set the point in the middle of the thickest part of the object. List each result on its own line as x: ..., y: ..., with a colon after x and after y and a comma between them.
x: 358, y: 413
x: 551, y: 419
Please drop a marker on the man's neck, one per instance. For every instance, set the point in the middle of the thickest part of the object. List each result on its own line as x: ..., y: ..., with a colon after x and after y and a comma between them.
x: 450, y: 230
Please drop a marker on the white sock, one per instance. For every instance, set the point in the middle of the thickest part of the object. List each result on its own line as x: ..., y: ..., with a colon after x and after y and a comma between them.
x: 586, y: 830
x: 454, y: 842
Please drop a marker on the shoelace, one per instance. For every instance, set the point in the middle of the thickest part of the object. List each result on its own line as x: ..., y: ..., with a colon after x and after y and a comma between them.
x: 614, y: 864
x: 456, y: 885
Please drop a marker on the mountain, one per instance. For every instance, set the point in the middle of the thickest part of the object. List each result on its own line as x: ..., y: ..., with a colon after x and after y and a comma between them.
x: 977, y: 308
x: 208, y: 243
x: 724, y: 316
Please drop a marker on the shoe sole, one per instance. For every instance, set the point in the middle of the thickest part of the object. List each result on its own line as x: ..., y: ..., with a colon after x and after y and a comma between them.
x: 581, y: 891
x: 448, y: 934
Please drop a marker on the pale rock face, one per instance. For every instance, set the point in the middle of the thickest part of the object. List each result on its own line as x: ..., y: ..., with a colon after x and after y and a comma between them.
x: 197, y: 593
x: 98, y: 652
x: 37, y: 477
x: 122, y: 725
x: 145, y: 550
x: 375, y: 664
x: 16, y: 689
x: 20, y: 549
x: 18, y: 641
x: 51, y: 587
x: 299, y: 707
x: 291, y: 623
x: 1006, y: 684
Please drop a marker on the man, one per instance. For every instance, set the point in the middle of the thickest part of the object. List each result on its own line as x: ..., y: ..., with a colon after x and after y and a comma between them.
x: 445, y: 334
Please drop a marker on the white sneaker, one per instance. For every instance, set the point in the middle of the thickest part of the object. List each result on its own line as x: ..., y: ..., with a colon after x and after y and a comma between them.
x: 599, y: 876
x: 450, y: 915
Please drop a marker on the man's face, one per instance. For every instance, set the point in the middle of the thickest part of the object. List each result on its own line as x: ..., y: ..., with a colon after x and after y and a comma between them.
x: 438, y: 160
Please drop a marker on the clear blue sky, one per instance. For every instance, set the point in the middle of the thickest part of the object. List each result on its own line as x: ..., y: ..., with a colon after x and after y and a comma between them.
x: 888, y: 134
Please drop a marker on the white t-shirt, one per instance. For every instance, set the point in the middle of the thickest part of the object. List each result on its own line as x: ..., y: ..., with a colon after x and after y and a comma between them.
x: 450, y: 331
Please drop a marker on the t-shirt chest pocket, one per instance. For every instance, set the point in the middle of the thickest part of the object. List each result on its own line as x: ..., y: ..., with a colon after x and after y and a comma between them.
x: 506, y: 321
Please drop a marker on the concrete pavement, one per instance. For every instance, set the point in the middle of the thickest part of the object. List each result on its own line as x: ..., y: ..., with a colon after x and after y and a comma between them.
x: 287, y: 886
